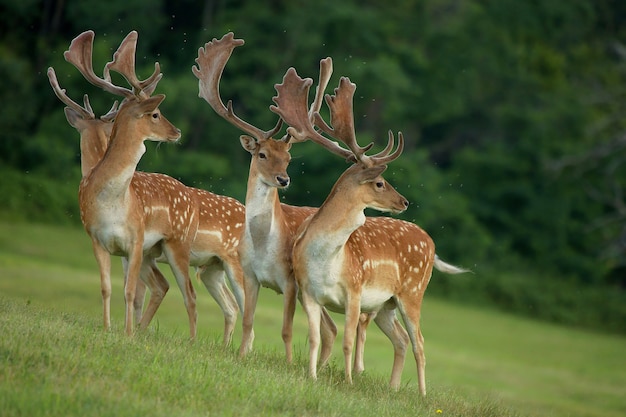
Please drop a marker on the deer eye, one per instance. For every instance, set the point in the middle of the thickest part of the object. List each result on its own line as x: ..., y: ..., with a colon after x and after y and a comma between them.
x: 155, y: 115
x: 262, y: 155
x: 380, y: 184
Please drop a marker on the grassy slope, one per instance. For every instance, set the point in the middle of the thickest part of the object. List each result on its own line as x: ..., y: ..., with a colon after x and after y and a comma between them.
x: 475, y: 358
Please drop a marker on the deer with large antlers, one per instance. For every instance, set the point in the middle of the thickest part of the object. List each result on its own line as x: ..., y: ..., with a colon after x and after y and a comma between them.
x: 95, y: 134
x: 351, y: 263
x: 209, y: 256
x: 270, y: 226
x: 134, y: 213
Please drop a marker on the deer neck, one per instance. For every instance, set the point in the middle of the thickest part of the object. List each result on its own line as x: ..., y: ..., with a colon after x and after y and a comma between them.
x: 331, y: 227
x: 264, y: 215
x: 93, y: 145
x: 112, y: 176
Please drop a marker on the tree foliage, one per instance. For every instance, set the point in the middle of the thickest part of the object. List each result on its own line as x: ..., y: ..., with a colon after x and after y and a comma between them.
x: 512, y: 112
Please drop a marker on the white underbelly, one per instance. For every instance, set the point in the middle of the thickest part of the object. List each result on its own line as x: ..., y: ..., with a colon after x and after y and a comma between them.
x: 271, y: 275
x: 373, y: 299
x: 332, y: 295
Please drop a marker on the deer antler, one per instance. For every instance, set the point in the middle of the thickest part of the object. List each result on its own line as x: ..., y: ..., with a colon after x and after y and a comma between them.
x: 212, y: 59
x: 80, y: 54
x: 326, y: 70
x: 124, y: 64
x: 86, y: 112
x: 342, y: 120
x: 110, y: 115
x: 291, y: 106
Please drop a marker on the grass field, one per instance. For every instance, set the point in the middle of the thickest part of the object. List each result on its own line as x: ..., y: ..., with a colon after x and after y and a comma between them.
x: 55, y: 360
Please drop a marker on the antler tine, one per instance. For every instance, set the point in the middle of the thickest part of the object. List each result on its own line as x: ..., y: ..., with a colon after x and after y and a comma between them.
x: 383, y: 157
x: 149, y: 85
x: 326, y: 70
x: 291, y: 106
x: 124, y: 64
x: 88, y: 104
x: 80, y: 55
x: 86, y: 112
x: 388, y: 148
x: 342, y: 119
x: 111, y: 114
x: 212, y: 59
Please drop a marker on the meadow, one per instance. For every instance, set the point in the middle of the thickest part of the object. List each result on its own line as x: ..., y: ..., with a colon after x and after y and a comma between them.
x: 56, y: 360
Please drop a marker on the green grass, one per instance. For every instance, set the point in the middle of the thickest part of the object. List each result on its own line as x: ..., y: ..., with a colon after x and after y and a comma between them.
x: 56, y: 360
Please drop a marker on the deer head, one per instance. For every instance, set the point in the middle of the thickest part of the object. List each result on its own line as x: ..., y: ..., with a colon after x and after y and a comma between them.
x: 139, y: 111
x: 270, y: 156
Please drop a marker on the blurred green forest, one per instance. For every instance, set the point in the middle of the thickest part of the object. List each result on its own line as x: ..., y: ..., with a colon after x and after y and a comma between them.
x: 513, y: 113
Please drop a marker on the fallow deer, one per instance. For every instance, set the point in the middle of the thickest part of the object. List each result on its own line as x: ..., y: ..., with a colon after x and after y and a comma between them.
x: 133, y: 213
x: 270, y: 226
x: 351, y: 263
x: 95, y: 134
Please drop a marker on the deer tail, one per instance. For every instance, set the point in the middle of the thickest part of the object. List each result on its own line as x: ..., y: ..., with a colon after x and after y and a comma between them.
x: 448, y: 268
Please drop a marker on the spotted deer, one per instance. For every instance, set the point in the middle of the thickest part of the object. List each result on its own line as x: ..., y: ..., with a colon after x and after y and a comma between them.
x: 95, y: 134
x: 270, y: 226
x: 350, y: 263
x: 144, y: 217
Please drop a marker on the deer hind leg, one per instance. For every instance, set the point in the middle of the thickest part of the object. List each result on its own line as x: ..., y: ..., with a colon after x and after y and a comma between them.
x: 328, y: 330
x: 234, y: 273
x: 359, y: 350
x: 153, y: 279
x: 104, y: 265
x: 411, y: 315
x: 212, y: 276
x: 387, y: 321
x: 178, y: 258
x: 140, y: 297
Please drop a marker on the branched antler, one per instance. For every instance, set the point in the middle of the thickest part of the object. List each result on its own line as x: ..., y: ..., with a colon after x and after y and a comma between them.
x: 80, y: 54
x: 212, y: 59
x: 291, y: 105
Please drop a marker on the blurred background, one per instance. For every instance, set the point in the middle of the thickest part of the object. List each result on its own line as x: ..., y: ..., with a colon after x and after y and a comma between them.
x: 513, y: 114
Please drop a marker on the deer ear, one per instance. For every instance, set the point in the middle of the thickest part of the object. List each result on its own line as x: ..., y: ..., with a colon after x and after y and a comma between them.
x: 151, y: 104
x: 72, y: 117
x: 248, y: 143
x: 370, y: 174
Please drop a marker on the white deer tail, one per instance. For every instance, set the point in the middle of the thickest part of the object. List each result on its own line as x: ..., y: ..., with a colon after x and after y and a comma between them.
x: 448, y: 268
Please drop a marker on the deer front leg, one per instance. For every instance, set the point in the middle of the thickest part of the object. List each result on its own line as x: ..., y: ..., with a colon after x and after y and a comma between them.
x: 103, y: 258
x: 251, y: 290
x: 289, y: 310
x: 140, y: 292
x: 135, y: 259
x: 353, y: 311
x: 314, y: 313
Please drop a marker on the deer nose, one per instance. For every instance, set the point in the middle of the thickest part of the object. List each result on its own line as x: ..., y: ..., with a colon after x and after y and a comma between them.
x: 405, y: 202
x: 283, y: 181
